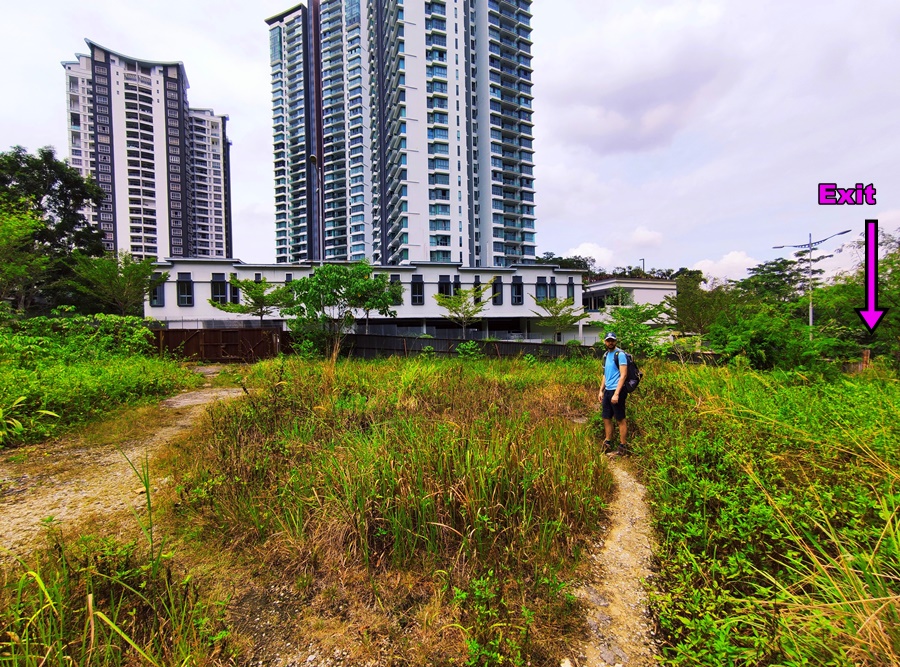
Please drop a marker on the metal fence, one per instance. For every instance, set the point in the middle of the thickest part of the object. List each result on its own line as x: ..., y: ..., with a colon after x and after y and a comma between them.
x: 372, y: 346
x: 253, y: 344
x: 220, y: 345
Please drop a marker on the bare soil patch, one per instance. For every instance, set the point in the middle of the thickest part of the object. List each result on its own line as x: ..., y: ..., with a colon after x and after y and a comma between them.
x: 87, y: 481
x: 621, y: 630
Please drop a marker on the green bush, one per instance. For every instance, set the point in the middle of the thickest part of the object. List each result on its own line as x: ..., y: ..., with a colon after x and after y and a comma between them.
x: 770, y: 336
x: 470, y: 350
x: 58, y: 371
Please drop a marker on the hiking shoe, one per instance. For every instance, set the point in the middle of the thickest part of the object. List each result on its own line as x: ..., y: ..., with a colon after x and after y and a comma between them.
x: 608, y: 447
x: 623, y: 450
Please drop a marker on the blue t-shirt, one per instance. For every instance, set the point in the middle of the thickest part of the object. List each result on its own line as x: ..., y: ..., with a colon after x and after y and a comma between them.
x: 611, y: 371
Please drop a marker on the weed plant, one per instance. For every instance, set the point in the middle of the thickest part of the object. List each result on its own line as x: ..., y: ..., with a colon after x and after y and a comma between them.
x: 98, y: 601
x: 776, y: 499
x: 467, y: 476
x: 62, y: 370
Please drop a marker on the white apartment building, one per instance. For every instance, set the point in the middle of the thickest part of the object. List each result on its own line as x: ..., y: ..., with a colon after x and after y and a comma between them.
x: 403, y: 132
x: 163, y: 165
x: 183, y: 302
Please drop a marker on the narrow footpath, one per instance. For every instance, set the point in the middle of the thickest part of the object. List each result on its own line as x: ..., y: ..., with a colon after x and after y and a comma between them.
x: 65, y: 484
x: 621, y: 629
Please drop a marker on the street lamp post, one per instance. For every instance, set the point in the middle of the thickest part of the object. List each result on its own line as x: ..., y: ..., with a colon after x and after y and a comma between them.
x: 643, y: 267
x: 812, y: 244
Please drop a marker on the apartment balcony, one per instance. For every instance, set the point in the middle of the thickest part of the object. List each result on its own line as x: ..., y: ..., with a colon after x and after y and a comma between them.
x: 441, y: 256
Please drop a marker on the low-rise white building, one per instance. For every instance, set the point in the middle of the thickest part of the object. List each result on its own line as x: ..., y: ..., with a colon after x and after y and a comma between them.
x: 643, y: 291
x: 182, y: 302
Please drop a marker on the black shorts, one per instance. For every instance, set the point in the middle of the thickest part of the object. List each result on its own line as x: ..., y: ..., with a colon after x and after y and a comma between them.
x: 611, y: 409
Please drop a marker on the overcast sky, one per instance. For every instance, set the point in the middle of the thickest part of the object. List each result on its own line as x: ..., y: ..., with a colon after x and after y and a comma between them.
x: 680, y: 132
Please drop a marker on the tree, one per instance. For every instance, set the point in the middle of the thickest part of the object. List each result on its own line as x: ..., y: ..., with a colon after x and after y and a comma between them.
x: 559, y: 314
x: 465, y: 306
x: 259, y: 298
x: 634, y: 326
x: 694, y: 308
x: 770, y: 335
x: 577, y: 262
x: 836, y: 303
x: 58, y: 194
x: 329, y: 299
x: 116, y: 280
x: 619, y: 296
x: 22, y: 266
x: 777, y: 281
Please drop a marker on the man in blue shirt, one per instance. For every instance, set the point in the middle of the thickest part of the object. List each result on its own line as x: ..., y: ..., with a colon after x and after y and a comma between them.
x: 612, y: 395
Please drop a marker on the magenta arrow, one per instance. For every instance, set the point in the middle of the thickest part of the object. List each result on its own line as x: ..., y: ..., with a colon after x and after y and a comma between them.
x: 870, y: 315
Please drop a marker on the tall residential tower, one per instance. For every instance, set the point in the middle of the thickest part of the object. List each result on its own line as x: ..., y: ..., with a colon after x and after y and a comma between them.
x: 403, y: 131
x: 163, y: 165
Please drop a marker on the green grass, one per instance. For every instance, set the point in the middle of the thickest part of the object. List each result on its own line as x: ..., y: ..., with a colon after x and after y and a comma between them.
x: 98, y: 601
x: 475, y: 470
x: 56, y: 372
x: 775, y: 497
x: 440, y: 508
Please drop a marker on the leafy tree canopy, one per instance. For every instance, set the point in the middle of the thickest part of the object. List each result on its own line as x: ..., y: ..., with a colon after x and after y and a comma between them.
x: 634, y: 327
x: 578, y: 262
x: 116, y: 280
x: 329, y: 299
x: 22, y: 267
x: 595, y: 272
x: 835, y: 303
x: 776, y: 281
x: 559, y: 314
x: 694, y: 308
x: 57, y: 193
x: 465, y: 306
x: 258, y: 298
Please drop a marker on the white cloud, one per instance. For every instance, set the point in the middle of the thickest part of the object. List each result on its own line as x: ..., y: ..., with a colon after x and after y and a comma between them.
x: 703, y: 119
x: 644, y: 237
x: 732, y: 266
x: 603, y: 256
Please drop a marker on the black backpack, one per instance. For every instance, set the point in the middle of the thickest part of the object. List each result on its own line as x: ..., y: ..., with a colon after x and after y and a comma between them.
x: 634, y: 375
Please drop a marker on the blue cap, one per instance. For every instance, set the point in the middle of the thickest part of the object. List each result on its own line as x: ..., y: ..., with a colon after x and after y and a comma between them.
x: 610, y: 336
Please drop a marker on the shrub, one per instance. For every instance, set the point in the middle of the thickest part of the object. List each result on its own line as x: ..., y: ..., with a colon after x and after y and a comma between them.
x: 773, y: 551
x: 75, y: 367
x: 470, y: 350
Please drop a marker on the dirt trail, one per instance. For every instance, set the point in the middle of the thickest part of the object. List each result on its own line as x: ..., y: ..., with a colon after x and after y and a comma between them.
x: 70, y: 485
x: 93, y: 484
x: 621, y: 629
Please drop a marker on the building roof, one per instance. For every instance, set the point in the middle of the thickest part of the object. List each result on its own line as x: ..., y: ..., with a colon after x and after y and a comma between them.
x: 149, y: 63
x: 631, y: 283
x: 287, y: 12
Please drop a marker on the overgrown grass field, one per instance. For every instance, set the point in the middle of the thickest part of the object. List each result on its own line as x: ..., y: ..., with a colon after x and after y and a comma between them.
x: 776, y: 500
x: 59, y: 371
x: 471, y: 479
x: 429, y: 511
